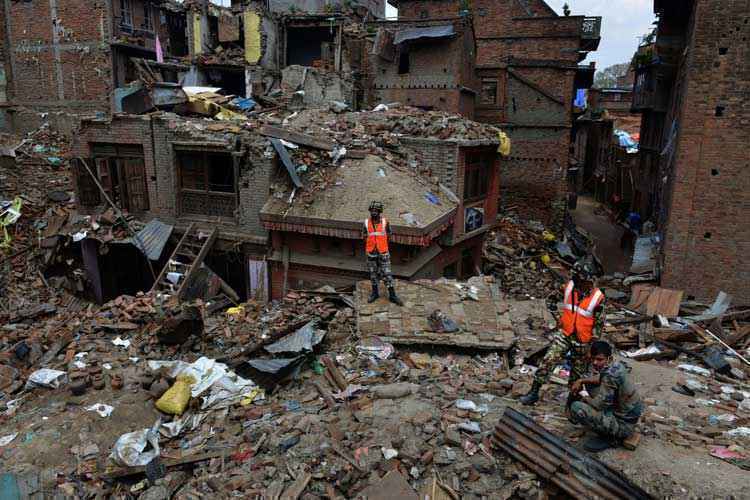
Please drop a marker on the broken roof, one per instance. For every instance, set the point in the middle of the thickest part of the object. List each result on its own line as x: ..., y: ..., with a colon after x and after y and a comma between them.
x: 392, y: 120
x: 411, y: 34
x: 412, y: 206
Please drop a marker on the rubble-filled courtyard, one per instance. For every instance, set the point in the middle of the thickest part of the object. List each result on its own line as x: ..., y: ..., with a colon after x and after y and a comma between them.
x: 306, y: 250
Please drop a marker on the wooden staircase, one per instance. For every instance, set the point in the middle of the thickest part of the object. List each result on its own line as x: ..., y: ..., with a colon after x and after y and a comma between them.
x: 184, y: 261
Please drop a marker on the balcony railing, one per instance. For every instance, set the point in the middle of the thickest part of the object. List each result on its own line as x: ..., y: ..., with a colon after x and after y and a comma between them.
x: 591, y: 28
x: 652, y: 86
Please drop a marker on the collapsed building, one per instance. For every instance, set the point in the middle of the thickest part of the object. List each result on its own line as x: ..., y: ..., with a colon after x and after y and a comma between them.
x: 527, y: 65
x: 302, y: 195
x: 511, y: 64
x: 429, y: 64
x: 66, y: 58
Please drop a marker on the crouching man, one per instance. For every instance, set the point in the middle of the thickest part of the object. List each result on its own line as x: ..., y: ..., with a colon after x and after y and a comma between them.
x: 613, y: 412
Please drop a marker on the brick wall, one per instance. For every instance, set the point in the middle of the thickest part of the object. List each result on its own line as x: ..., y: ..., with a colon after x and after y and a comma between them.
x: 534, y: 173
x: 3, y: 71
x: 707, y: 232
x: 440, y: 157
x: 542, y: 48
x: 135, y: 130
x: 435, y: 98
x: 446, y: 162
x: 160, y: 162
x: 441, y: 71
x: 60, y: 62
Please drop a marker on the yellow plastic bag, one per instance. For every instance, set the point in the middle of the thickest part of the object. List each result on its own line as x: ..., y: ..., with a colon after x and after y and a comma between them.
x: 545, y: 259
x: 235, y: 311
x: 504, y: 147
x: 177, y: 397
x: 250, y: 396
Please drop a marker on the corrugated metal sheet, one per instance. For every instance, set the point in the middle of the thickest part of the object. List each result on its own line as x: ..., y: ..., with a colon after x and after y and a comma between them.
x: 286, y: 160
x: 151, y: 239
x: 410, y: 34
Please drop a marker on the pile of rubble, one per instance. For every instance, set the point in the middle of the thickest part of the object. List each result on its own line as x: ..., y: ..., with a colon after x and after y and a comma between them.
x: 35, y: 183
x: 532, y: 262
x: 292, y: 400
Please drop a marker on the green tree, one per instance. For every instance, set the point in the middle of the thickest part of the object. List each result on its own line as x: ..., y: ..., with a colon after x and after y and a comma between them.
x: 607, y: 77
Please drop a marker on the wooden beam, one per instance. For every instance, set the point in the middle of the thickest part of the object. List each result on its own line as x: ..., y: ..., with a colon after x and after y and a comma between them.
x: 296, y: 137
x: 124, y: 472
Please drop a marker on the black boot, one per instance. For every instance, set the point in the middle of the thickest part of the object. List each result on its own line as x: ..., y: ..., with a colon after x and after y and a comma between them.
x: 393, y: 297
x: 597, y: 443
x: 375, y: 295
x: 532, y: 396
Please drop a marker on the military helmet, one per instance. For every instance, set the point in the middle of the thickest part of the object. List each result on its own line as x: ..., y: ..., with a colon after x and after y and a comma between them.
x: 582, y: 273
x: 376, y: 205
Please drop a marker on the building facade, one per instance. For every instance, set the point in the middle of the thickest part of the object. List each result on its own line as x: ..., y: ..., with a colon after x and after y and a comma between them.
x: 164, y: 166
x: 528, y: 72
x: 67, y: 56
x: 423, y: 63
x: 315, y: 244
x: 691, y: 87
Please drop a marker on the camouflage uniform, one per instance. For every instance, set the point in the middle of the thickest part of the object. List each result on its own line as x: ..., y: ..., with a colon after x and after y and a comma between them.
x: 615, y: 409
x: 379, y: 266
x: 561, y: 345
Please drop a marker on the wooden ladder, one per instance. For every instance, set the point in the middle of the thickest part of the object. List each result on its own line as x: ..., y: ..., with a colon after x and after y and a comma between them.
x: 185, y: 260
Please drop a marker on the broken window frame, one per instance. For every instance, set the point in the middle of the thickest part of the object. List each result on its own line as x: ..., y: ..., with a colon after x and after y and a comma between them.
x: 126, y: 14
x: 485, y: 102
x: 476, y: 176
x: 121, y: 171
x: 148, y: 20
x: 86, y: 189
x: 221, y: 204
x: 404, y: 60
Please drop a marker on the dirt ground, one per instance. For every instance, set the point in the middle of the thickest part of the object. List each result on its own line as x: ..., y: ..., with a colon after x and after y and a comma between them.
x: 589, y: 216
x: 668, y: 470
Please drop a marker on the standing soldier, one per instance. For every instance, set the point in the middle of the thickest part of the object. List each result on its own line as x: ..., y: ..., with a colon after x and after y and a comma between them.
x: 376, y: 233
x: 581, y: 315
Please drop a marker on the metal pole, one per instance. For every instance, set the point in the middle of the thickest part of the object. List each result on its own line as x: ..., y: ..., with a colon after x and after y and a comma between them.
x: 120, y: 215
x: 727, y: 346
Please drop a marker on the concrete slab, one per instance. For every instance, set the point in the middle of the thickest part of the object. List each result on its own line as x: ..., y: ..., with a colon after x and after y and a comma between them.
x: 484, y: 323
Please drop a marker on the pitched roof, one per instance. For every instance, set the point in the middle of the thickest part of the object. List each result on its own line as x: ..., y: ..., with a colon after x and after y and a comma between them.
x: 341, y: 208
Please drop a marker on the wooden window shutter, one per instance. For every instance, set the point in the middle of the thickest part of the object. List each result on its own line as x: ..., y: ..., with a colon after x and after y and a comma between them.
x: 88, y: 191
x: 135, y: 177
x: 105, y: 179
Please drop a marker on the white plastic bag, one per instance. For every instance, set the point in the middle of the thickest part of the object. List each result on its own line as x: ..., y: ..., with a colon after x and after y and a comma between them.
x: 137, y: 448
x: 46, y: 377
x: 103, y: 410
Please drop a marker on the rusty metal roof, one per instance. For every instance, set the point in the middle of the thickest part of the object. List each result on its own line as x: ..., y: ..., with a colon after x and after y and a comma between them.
x: 151, y: 239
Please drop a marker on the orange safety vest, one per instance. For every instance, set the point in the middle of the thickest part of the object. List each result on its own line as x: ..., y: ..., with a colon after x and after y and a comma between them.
x: 578, y: 317
x: 377, y: 237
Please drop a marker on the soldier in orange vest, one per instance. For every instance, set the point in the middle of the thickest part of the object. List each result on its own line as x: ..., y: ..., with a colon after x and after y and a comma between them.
x: 376, y: 232
x: 582, y: 305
